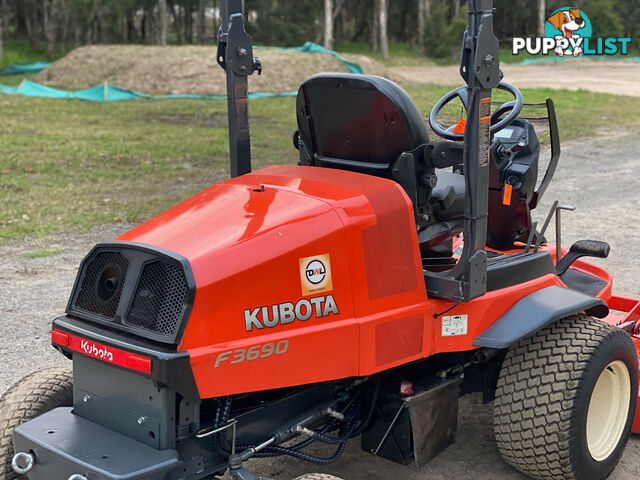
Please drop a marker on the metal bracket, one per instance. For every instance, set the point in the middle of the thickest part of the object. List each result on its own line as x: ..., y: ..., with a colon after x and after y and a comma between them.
x: 239, y: 51
x: 393, y: 422
x: 569, y: 208
x: 231, y: 423
x: 404, y: 172
x: 486, y: 66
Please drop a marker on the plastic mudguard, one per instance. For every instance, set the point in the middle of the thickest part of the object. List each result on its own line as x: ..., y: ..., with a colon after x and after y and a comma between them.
x: 65, y: 444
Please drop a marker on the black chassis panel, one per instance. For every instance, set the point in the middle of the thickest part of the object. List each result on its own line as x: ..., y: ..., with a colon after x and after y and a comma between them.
x: 124, y: 402
x: 65, y: 444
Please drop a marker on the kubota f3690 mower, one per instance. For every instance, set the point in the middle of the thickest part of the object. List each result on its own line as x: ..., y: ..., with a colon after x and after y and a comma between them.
x: 359, y: 293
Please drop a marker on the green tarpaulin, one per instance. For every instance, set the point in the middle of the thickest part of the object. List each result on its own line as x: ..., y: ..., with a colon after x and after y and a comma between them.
x: 22, y: 68
x: 110, y: 93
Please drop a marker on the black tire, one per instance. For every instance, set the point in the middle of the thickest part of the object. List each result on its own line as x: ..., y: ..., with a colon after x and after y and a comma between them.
x: 35, y: 394
x: 544, y: 393
x: 317, y: 476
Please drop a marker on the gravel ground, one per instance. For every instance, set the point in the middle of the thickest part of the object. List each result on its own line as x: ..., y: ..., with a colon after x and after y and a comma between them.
x: 599, y: 176
x: 613, y: 76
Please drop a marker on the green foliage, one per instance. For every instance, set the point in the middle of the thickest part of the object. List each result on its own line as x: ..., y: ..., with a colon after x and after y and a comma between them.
x: 443, y: 37
x: 631, y: 17
x: 19, y: 51
x: 605, y: 18
x: 293, y: 22
x: 285, y: 23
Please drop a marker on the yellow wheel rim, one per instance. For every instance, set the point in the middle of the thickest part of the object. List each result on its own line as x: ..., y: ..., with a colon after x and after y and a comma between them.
x: 608, y: 409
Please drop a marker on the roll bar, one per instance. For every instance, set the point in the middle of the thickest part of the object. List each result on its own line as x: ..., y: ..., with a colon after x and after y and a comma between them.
x: 235, y: 56
x: 480, y: 69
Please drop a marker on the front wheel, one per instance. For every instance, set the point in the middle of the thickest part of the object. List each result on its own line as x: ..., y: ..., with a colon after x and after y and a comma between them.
x: 566, y: 399
x: 35, y: 394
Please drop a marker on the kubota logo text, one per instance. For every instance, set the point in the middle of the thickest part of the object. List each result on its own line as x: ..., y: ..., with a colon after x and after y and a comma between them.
x: 284, y: 313
x: 92, y: 349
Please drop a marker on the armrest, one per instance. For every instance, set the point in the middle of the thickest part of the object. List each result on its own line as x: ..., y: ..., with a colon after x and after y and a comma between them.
x: 444, y: 154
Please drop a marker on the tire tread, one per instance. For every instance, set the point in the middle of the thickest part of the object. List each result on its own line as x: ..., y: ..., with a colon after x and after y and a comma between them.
x: 537, y: 387
x: 34, y: 395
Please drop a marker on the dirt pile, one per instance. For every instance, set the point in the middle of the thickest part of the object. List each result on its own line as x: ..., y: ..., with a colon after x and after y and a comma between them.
x: 188, y: 69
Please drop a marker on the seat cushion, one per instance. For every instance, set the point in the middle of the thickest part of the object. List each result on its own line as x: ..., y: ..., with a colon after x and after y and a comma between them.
x: 357, y: 122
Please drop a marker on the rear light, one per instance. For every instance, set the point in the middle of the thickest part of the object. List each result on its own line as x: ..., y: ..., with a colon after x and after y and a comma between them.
x: 102, y: 352
x: 59, y: 338
x: 141, y: 364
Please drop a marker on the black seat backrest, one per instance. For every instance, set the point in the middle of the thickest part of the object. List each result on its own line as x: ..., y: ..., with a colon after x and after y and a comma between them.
x: 354, y: 122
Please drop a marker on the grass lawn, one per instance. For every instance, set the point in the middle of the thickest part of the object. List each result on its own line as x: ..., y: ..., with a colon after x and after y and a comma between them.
x: 14, y: 79
x: 70, y: 165
x: 43, y: 253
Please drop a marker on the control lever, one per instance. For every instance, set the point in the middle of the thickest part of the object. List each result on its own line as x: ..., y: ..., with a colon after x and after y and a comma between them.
x: 516, y: 148
x: 552, y: 210
x: 527, y: 247
x: 582, y: 248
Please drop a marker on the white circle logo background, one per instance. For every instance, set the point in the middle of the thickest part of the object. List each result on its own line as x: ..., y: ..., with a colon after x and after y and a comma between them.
x: 315, y: 272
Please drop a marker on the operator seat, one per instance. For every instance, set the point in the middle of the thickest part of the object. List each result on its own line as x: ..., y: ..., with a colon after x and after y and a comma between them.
x: 368, y: 124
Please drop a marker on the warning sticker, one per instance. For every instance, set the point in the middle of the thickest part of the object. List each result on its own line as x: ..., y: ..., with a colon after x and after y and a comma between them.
x: 453, y: 325
x: 484, y: 143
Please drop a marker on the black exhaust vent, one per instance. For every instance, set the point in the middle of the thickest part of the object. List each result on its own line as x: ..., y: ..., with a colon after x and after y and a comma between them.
x: 160, y: 300
x: 102, y: 284
x: 143, y: 290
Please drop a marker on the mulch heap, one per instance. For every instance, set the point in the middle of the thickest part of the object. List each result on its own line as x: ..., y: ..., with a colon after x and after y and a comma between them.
x: 159, y: 70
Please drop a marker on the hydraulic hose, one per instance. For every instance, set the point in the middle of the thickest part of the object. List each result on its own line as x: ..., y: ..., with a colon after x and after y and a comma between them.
x: 306, y: 457
x: 351, y: 419
x: 222, y: 416
x: 374, y: 399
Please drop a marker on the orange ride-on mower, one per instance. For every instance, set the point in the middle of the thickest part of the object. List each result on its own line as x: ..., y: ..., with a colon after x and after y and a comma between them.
x: 359, y: 293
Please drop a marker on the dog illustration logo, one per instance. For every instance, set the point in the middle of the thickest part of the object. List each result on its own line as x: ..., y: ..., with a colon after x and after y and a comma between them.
x: 567, y: 32
x: 571, y: 24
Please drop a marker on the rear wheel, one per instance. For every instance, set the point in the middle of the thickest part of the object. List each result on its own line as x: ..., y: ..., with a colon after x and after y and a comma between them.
x: 35, y: 394
x: 565, y: 400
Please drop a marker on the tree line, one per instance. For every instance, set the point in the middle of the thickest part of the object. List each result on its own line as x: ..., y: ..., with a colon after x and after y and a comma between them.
x: 432, y: 26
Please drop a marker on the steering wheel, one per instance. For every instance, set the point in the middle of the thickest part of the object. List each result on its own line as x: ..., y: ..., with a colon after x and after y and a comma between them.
x: 497, y: 123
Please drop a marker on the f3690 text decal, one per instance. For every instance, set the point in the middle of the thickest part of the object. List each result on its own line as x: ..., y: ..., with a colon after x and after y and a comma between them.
x: 252, y: 353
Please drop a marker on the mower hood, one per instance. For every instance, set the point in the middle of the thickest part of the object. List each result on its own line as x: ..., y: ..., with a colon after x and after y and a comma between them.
x: 261, y: 243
